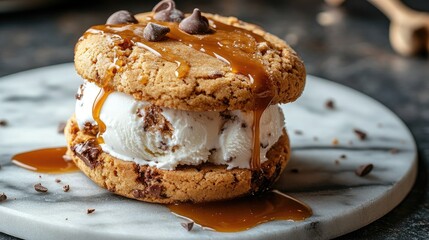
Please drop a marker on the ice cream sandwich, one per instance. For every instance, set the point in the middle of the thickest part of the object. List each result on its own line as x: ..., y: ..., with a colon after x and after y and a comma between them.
x: 181, y: 107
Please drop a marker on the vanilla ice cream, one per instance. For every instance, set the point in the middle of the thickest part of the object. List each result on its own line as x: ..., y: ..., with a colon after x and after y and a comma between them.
x: 165, y: 138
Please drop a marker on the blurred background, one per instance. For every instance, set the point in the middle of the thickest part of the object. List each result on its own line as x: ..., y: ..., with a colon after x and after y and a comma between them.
x: 346, y: 42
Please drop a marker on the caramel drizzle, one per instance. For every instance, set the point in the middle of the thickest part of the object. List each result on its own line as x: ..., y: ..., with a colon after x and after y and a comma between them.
x: 96, y: 111
x: 232, y: 45
x: 243, y: 213
x: 46, y: 160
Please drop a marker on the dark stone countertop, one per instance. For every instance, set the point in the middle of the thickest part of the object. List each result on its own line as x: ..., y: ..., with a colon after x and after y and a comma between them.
x: 348, y: 45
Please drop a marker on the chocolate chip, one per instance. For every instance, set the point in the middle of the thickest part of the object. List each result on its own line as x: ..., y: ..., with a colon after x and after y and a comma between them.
x: 187, y: 225
x: 61, y: 127
x: 243, y: 125
x: 361, y: 134
x: 66, y: 188
x: 88, y: 152
x: 364, y: 170
x: 3, y: 123
x: 3, y: 197
x: 154, y: 32
x: 195, y: 24
x: 121, y: 17
x: 166, y: 11
x: 90, y: 210
x: 57, y: 180
x: 39, y: 188
x: 330, y: 104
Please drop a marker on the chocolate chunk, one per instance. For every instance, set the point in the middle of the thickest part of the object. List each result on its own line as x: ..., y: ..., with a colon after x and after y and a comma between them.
x: 66, y: 188
x: 121, y: 17
x: 57, y: 180
x: 3, y: 197
x: 330, y: 104
x: 154, y: 32
x: 61, y: 127
x: 90, y: 210
x: 195, y: 24
x: 361, y: 134
x: 364, y: 170
x: 39, y: 188
x: 187, y: 225
x: 87, y: 152
x: 166, y: 11
x: 3, y: 123
x: 154, y: 190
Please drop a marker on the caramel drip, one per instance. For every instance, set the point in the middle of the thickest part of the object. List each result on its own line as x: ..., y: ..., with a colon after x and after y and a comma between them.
x: 243, y: 213
x: 47, y: 160
x: 96, y: 111
x: 232, y: 45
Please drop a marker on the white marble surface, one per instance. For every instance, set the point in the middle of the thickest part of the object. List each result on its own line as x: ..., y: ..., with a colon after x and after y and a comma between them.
x: 34, y: 102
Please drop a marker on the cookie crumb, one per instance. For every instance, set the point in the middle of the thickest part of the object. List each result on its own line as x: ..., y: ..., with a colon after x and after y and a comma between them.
x: 3, y: 197
x: 40, y: 176
x: 335, y: 141
x: 329, y: 104
x: 66, y: 188
x: 337, y: 162
x: 39, y: 188
x: 57, y: 180
x: 394, y: 151
x: 343, y: 156
x: 90, y: 210
x: 360, y: 134
x: 3, y: 123
x: 364, y: 170
x: 187, y: 225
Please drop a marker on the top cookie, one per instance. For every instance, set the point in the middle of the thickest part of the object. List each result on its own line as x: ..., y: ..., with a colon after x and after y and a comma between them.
x: 234, y: 65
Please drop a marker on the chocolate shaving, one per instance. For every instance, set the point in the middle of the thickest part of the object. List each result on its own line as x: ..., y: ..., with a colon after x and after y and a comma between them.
x: 3, y: 197
x: 364, y: 170
x: 39, y: 188
x: 3, y: 123
x: 361, y: 134
x: 66, y: 188
x: 121, y: 17
x: 330, y: 104
x: 154, y: 32
x: 61, y: 127
x: 87, y: 152
x: 90, y: 210
x: 195, y: 24
x: 166, y: 11
x: 187, y: 225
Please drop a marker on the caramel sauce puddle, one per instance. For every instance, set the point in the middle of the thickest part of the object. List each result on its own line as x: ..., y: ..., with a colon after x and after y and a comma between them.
x: 243, y: 213
x: 46, y: 160
x: 233, y: 45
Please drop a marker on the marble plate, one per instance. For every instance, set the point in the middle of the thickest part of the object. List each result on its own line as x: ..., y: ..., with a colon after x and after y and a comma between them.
x: 34, y: 102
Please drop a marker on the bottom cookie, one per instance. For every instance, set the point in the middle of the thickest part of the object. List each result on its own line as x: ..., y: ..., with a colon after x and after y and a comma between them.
x: 202, y: 183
